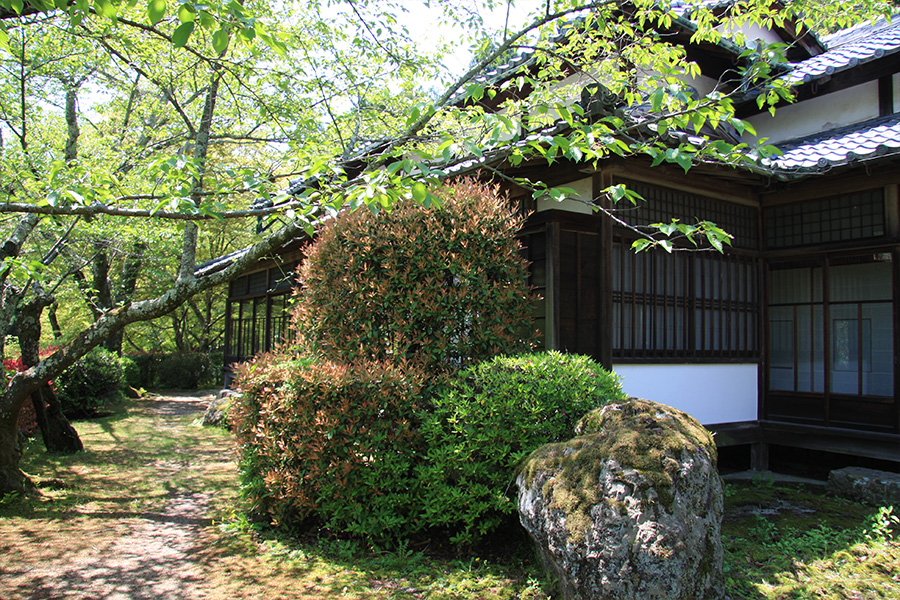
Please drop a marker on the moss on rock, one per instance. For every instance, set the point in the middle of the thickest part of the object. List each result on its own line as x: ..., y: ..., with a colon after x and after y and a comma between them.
x: 638, y: 434
x: 629, y: 509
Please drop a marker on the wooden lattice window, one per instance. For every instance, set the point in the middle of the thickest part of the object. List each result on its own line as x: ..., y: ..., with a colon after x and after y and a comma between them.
x: 855, y: 216
x: 683, y: 305
x: 661, y: 205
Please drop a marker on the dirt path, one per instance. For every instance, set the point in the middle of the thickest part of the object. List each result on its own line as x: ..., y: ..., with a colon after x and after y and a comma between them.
x: 96, y: 550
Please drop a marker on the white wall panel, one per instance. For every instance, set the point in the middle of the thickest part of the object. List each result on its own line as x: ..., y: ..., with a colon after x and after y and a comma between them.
x: 711, y: 393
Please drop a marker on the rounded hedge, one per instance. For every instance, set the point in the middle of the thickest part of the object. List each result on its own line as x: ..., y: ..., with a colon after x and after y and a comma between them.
x: 332, y: 442
x: 84, y: 388
x: 489, y: 418
x: 440, y: 287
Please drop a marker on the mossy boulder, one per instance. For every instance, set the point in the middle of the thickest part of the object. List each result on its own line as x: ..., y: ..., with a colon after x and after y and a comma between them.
x: 217, y: 412
x: 631, y: 508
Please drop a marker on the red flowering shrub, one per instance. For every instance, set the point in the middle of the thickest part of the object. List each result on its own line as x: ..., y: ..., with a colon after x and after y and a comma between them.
x: 27, y: 421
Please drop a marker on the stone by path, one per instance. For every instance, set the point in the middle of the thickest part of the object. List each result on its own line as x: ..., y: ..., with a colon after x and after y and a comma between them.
x: 151, y: 558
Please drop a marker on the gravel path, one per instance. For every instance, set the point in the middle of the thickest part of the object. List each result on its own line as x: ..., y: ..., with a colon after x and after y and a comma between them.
x: 151, y: 557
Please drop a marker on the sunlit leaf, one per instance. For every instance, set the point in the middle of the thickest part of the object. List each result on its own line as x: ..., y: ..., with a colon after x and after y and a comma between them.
x: 419, y: 192
x: 182, y: 33
x: 156, y: 10
x: 186, y: 13
x: 220, y: 40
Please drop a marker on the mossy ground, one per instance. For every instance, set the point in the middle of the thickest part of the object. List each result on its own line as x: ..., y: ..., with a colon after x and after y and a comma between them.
x: 136, y: 461
x: 795, y: 542
x: 803, y: 544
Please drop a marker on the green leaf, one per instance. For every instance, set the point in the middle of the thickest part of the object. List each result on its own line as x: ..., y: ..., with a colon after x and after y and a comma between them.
x: 419, y: 192
x: 656, y: 99
x: 106, y: 8
x: 220, y: 40
x: 4, y: 39
x: 684, y: 160
x: 666, y: 228
x: 156, y: 10
x: 181, y: 34
x: 475, y: 91
x: 186, y: 13
x: 207, y: 21
x: 616, y: 192
x: 641, y: 244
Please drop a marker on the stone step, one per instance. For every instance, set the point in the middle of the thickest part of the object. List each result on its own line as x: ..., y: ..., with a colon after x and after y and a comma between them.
x: 879, y: 488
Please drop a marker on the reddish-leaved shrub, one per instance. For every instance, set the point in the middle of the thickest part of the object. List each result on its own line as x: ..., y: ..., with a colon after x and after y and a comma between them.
x: 391, y: 305
x: 329, y: 441
x: 439, y: 287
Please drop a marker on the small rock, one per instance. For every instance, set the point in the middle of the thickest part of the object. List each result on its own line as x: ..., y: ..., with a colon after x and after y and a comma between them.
x: 216, y: 414
x: 630, y: 509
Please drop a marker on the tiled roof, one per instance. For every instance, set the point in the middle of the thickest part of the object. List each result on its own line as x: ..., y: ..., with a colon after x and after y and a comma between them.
x: 877, y: 138
x: 682, y: 9
x: 685, y: 7
x: 849, y: 49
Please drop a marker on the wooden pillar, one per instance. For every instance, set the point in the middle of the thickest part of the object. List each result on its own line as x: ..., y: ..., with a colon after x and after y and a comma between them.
x: 759, y: 456
x: 601, y: 181
x: 552, y: 290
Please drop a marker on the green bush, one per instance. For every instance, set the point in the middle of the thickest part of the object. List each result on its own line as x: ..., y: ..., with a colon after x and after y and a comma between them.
x: 440, y: 287
x: 332, y: 442
x: 177, y: 370
x: 183, y: 371
x: 144, y: 375
x: 131, y: 373
x: 85, y: 387
x: 490, y: 417
x: 213, y: 376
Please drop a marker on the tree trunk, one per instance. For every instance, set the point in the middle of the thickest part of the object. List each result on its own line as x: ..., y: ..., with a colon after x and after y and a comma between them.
x: 54, y: 321
x: 12, y: 479
x: 57, y: 432
x: 130, y: 272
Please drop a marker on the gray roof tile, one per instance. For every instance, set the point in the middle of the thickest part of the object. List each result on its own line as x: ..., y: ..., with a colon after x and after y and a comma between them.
x: 865, y: 141
x: 861, y: 45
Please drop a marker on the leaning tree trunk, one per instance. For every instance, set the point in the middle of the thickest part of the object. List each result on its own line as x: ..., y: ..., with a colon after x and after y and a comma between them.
x: 57, y: 432
x: 11, y: 477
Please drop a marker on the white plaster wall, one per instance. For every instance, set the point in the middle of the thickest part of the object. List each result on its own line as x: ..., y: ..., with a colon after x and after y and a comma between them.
x: 752, y: 32
x: 585, y: 191
x: 846, y: 107
x: 711, y: 393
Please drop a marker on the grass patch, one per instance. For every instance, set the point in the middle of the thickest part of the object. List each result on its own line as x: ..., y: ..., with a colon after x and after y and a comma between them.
x: 795, y: 542
x: 782, y: 542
